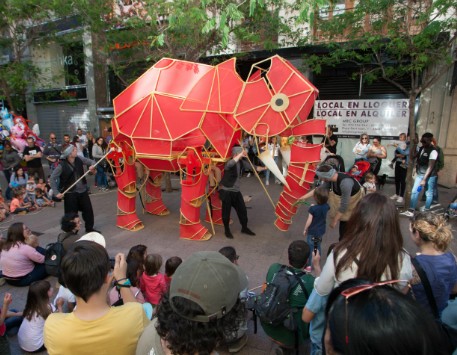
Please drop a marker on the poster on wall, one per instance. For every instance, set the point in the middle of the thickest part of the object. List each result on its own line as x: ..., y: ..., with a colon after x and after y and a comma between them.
x: 350, y: 118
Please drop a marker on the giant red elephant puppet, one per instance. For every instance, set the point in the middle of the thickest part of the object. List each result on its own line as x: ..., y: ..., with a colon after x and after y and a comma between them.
x: 183, y: 116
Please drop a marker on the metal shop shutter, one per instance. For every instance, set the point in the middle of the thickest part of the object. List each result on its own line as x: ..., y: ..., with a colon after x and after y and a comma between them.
x: 62, y: 119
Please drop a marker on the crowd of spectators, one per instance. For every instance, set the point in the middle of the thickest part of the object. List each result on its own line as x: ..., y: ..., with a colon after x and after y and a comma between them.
x: 369, y: 289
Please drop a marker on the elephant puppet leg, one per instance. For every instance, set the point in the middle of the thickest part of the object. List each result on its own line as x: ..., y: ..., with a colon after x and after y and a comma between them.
x: 192, y: 196
x: 126, y: 198
x: 153, y: 203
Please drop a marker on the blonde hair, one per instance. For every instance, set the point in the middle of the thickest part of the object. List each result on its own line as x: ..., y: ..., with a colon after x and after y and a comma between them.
x: 433, y: 228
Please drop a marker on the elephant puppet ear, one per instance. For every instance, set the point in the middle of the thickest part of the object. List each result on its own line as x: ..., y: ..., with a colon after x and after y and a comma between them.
x: 217, y: 91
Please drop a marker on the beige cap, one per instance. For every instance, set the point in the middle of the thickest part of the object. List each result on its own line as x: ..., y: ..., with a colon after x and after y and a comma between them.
x: 94, y: 237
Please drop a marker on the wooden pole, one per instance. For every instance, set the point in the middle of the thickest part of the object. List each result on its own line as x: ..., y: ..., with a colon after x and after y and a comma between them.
x: 260, y: 180
x: 87, y: 172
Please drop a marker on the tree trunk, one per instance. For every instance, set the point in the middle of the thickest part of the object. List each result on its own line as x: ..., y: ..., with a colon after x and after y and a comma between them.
x: 412, y: 150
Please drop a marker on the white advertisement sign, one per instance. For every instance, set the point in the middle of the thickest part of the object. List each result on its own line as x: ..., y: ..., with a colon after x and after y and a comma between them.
x: 387, y: 118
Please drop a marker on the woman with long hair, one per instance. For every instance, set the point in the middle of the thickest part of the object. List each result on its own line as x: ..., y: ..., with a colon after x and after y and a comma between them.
x: 98, y: 152
x: 37, y: 308
x: 371, y: 249
x: 361, y: 148
x: 21, y: 259
x: 18, y: 178
x: 432, y: 235
x: 90, y: 143
x: 365, y: 318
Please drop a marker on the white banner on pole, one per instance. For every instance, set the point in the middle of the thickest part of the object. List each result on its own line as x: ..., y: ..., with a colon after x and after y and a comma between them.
x: 382, y: 117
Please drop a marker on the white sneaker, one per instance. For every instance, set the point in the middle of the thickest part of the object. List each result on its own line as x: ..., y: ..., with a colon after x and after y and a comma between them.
x: 248, y: 175
x: 435, y: 205
x: 394, y: 197
x: 267, y: 183
x: 423, y: 209
x: 407, y: 214
x: 400, y: 199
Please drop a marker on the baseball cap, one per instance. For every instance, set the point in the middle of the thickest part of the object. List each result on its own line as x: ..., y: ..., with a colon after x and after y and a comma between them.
x: 94, y: 237
x: 210, y: 280
x: 67, y: 151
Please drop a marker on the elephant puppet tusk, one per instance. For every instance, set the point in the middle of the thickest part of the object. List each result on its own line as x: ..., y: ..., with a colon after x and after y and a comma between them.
x: 260, y: 180
x: 269, y: 162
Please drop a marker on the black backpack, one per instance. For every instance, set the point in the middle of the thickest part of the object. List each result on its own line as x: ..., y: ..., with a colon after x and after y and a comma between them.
x: 272, y: 306
x: 53, y: 256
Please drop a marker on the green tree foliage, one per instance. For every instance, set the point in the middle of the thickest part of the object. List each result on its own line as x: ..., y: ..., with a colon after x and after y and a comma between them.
x: 391, y: 40
x: 132, y: 31
x: 17, y: 72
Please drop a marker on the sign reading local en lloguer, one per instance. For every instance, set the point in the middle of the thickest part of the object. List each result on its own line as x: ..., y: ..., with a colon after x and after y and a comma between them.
x: 375, y: 117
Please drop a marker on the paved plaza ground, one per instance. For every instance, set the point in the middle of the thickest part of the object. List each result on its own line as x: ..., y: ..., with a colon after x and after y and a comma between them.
x: 161, y: 235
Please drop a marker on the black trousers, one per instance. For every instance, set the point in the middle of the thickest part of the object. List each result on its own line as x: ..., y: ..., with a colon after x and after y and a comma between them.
x: 37, y: 171
x: 233, y: 199
x: 75, y: 202
x: 342, y: 229
x: 400, y: 180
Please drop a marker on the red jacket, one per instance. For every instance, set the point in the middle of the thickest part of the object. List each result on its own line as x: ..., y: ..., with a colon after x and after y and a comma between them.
x: 153, y: 287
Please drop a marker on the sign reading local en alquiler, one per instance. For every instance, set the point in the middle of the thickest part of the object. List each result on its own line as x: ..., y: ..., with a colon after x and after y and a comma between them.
x: 354, y: 117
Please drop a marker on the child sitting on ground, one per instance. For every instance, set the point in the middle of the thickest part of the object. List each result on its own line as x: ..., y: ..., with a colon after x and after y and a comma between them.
x: 17, y: 203
x: 170, y: 267
x: 30, y: 187
x: 370, y: 183
x: 48, y: 190
x: 316, y: 222
x: 152, y: 283
x: 37, y: 308
x: 42, y: 200
x: 42, y: 185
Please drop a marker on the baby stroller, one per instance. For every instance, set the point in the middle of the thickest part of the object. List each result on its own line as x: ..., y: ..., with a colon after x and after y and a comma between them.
x: 359, y: 170
x: 336, y: 161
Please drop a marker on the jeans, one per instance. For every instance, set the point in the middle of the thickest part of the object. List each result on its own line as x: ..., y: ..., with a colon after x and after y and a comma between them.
x: 100, y: 177
x: 431, y: 182
x: 13, y: 324
x: 267, y: 172
x: 310, y: 241
x: 316, y: 349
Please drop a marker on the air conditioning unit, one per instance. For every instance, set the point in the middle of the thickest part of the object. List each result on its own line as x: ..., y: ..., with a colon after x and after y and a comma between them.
x: 4, y: 59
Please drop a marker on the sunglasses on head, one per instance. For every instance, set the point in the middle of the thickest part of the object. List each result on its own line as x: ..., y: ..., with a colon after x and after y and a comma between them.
x: 353, y: 291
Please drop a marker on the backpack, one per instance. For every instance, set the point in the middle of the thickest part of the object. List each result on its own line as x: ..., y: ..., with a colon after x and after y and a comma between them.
x: 53, y: 256
x: 272, y: 306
